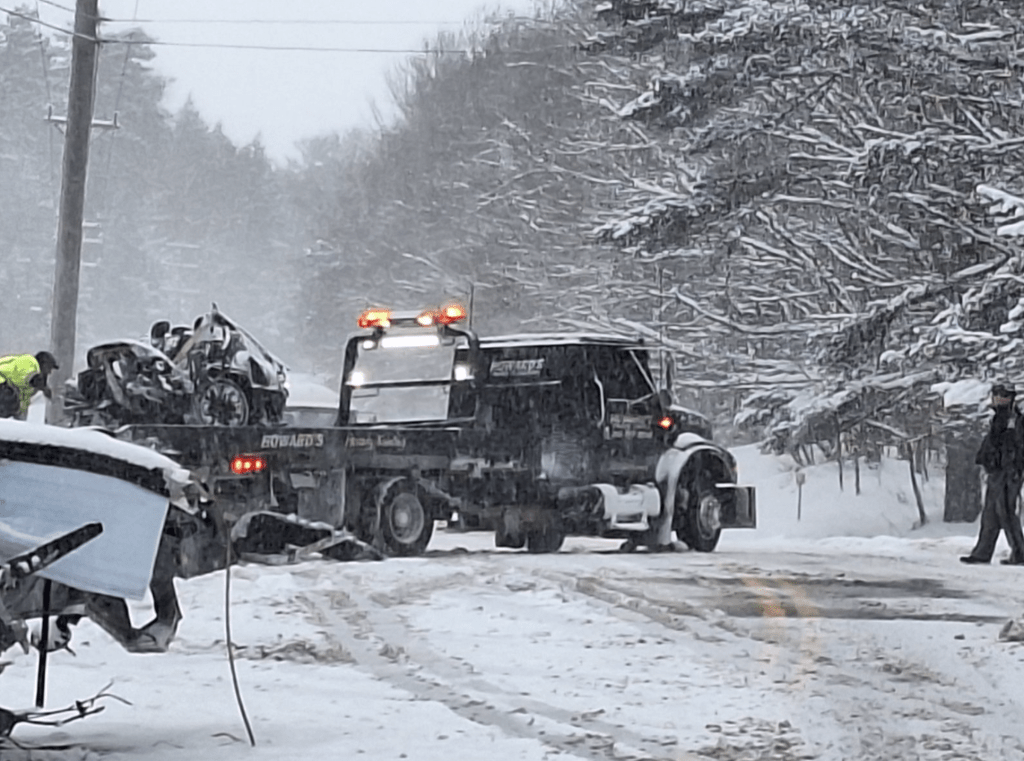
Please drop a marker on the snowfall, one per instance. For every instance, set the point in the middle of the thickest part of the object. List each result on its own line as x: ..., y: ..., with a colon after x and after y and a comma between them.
x: 838, y: 629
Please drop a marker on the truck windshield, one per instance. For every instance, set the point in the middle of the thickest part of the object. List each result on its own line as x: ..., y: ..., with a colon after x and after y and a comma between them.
x: 397, y: 381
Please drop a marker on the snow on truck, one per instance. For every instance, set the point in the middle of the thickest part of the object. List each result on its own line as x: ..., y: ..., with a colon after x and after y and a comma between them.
x: 537, y: 435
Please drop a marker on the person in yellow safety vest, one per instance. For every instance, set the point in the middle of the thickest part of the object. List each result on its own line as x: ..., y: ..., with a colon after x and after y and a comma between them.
x: 21, y: 376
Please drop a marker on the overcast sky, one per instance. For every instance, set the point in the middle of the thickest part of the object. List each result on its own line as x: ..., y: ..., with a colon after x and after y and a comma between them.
x: 283, y: 95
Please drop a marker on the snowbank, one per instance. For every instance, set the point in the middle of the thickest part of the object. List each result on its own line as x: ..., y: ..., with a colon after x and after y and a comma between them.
x: 885, y: 506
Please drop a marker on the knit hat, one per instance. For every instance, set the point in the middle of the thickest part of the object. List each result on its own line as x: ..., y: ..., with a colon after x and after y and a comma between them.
x: 46, y: 361
x: 1004, y: 390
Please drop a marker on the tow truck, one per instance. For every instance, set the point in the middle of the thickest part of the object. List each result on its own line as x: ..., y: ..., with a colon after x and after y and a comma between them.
x: 557, y: 434
x: 537, y: 435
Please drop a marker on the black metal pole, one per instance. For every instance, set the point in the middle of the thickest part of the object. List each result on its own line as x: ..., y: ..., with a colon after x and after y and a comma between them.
x: 43, y: 645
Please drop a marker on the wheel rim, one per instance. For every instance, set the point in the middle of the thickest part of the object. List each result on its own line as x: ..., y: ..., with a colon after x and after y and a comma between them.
x: 224, y: 403
x: 709, y: 515
x: 406, y: 518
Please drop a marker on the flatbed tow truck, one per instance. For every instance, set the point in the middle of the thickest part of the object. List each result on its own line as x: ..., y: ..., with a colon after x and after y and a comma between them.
x: 538, y: 435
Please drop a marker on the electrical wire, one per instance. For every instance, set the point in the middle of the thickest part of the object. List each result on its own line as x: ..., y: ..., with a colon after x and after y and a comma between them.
x: 455, y: 50
x: 34, y: 20
x: 311, y: 22
x: 49, y: 100
x: 104, y: 199
x: 56, y: 5
x: 291, y: 48
x: 230, y: 46
x: 227, y: 635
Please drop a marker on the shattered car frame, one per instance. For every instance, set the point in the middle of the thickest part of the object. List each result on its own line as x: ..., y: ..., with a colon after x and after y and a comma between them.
x: 212, y: 373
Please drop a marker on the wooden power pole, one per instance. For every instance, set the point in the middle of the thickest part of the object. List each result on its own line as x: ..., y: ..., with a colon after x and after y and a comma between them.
x: 81, y: 93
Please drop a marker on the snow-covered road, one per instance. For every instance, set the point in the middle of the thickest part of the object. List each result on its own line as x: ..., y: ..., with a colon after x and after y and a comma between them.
x: 861, y: 649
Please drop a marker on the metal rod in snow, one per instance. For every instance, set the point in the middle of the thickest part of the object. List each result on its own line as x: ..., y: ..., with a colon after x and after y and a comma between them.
x: 81, y: 93
x: 44, y: 645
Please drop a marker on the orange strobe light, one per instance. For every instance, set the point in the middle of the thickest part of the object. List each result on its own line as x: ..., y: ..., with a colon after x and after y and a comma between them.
x: 451, y: 313
x: 375, y: 318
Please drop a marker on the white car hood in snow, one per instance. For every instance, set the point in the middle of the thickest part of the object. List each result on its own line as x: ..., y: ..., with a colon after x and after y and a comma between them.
x: 44, y: 494
x: 89, y: 440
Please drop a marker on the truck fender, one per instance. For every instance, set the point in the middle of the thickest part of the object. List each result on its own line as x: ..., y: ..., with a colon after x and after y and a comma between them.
x: 667, y: 472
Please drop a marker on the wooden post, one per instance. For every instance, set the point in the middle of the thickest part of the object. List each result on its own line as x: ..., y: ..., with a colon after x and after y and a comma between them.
x: 800, y: 478
x: 81, y: 93
x: 856, y: 472
x: 839, y: 452
x: 913, y: 482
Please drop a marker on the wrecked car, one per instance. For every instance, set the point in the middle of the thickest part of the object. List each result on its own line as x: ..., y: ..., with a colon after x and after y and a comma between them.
x: 213, y: 372
x: 112, y: 514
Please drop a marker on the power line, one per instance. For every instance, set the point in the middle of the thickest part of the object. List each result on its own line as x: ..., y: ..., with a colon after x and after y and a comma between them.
x: 56, y: 5
x: 35, y: 20
x: 316, y: 22
x: 49, y: 100
x: 104, y: 198
x: 228, y: 46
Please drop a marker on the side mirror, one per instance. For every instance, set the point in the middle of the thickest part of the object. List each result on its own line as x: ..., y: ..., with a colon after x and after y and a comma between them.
x: 158, y: 332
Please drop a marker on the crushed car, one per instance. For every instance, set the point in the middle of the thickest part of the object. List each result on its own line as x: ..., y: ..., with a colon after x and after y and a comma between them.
x: 213, y: 372
x: 113, y: 514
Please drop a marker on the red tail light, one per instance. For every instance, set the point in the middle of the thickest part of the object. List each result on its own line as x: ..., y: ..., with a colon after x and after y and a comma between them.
x: 245, y: 465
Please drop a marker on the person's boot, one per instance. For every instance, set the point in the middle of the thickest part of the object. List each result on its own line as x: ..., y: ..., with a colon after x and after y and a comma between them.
x: 972, y: 560
x: 1012, y: 560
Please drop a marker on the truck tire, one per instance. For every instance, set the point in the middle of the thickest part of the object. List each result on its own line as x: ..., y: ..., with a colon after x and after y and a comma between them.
x: 697, y: 513
x: 406, y: 525
x: 544, y: 540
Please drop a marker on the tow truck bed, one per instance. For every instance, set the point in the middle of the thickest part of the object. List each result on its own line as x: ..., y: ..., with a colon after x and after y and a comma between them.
x: 299, y: 449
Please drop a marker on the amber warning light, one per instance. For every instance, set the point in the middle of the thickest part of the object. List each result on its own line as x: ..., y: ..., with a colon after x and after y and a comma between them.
x: 385, y: 318
x: 451, y: 313
x: 243, y: 465
x: 375, y: 318
x: 666, y: 422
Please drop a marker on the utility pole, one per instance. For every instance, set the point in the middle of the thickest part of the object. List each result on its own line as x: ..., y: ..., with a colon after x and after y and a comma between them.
x: 81, y: 94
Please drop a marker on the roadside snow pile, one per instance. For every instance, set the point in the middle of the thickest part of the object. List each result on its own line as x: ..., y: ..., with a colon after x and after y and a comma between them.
x: 885, y: 506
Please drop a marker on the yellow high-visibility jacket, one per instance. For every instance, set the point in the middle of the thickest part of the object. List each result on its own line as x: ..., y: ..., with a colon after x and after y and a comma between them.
x: 18, y: 370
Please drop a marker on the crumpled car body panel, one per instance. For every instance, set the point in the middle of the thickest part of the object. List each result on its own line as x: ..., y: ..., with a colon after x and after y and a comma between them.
x: 212, y: 373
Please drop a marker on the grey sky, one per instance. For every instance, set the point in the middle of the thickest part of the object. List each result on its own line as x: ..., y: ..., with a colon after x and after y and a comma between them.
x: 285, y: 95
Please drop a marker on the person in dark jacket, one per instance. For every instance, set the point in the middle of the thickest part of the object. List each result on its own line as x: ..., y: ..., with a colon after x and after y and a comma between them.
x: 1002, y: 456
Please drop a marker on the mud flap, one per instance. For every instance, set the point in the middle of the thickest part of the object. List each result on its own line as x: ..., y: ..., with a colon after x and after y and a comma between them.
x: 739, y: 506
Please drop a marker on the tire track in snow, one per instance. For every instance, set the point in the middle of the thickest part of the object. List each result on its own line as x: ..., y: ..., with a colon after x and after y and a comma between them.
x: 885, y: 707
x: 371, y: 629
